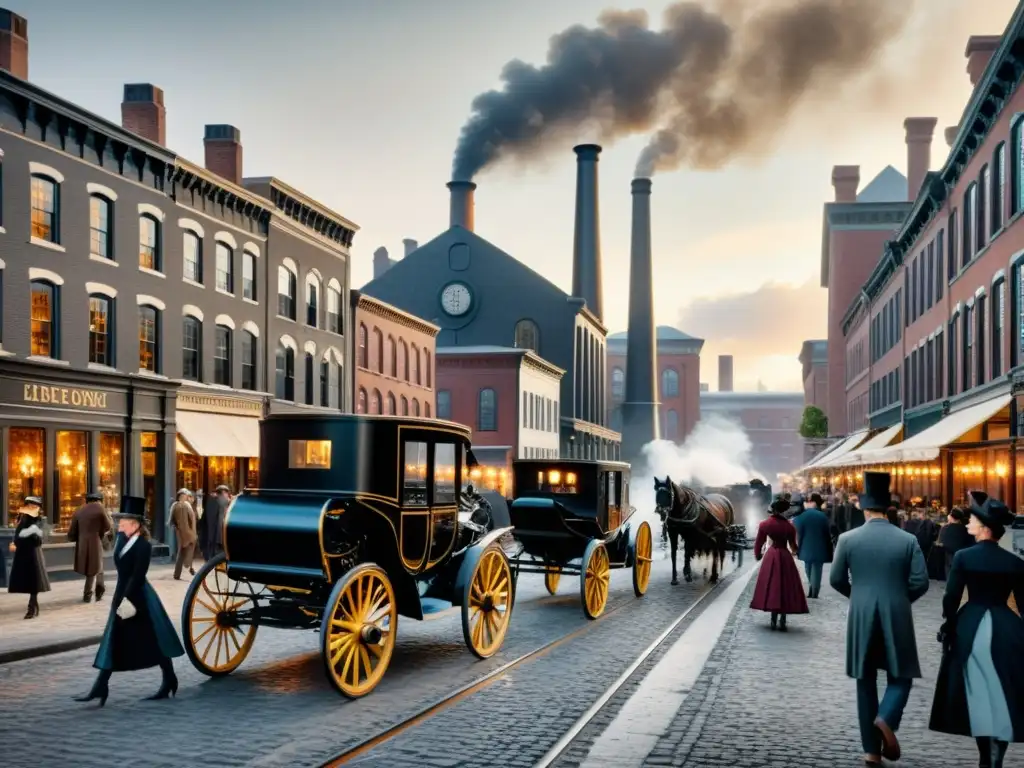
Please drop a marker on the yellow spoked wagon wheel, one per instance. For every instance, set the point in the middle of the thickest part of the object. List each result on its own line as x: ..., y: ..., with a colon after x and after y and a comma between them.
x: 642, y: 555
x: 487, y: 603
x: 594, y: 578
x: 358, y: 630
x: 551, y: 578
x: 216, y: 638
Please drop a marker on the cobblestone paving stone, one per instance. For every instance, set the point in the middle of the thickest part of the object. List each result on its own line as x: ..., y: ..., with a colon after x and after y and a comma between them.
x: 773, y: 700
x: 279, y: 710
x: 515, y: 721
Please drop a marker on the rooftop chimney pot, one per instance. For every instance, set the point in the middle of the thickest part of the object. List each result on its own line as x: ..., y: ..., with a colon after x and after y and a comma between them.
x: 223, y: 145
x: 143, y: 112
x: 845, y: 180
x: 979, y: 52
x: 14, y: 43
x: 463, y: 204
x: 725, y: 373
x: 920, y: 131
x: 409, y: 245
x: 586, y: 266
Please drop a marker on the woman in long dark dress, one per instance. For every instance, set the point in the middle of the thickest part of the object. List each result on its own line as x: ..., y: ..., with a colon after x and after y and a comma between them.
x: 979, y: 691
x: 139, y: 635
x: 28, y: 568
x: 779, y: 590
x: 954, y: 536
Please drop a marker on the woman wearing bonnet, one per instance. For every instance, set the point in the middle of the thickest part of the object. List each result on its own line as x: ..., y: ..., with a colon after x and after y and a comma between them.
x: 28, y: 569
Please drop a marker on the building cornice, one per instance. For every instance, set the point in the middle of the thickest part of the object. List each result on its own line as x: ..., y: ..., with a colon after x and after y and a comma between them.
x: 539, y: 364
x: 382, y: 309
x: 307, y: 212
x: 214, y: 187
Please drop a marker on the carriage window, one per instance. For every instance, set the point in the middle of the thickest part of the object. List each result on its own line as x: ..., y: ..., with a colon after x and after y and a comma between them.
x: 444, y: 473
x: 309, y: 454
x: 414, y: 479
x: 556, y: 481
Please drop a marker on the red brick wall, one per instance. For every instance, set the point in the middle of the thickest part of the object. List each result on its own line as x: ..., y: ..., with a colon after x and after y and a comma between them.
x: 464, y: 377
x: 368, y: 373
x: 686, y: 404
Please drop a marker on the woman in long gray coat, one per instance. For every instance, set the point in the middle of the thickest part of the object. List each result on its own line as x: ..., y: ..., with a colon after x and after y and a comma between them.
x: 979, y: 691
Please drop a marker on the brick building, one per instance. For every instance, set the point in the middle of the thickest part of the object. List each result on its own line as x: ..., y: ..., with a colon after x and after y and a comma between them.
x: 394, y: 360
x: 770, y: 419
x: 814, y: 367
x: 678, y: 380
x: 509, y: 397
x: 143, y: 326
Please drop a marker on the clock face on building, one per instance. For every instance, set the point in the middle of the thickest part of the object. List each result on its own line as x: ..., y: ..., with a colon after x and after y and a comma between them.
x: 456, y: 299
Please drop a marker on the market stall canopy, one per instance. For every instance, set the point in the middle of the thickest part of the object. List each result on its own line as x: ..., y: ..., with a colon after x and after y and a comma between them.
x: 820, y: 455
x: 926, y: 445
x: 844, y: 448
x: 870, y: 447
x: 217, y: 434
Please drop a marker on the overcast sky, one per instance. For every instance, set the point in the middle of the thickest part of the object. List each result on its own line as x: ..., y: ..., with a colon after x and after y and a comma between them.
x: 359, y: 104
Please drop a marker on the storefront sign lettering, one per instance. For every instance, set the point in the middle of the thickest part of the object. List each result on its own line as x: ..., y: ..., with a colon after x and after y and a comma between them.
x: 78, y: 398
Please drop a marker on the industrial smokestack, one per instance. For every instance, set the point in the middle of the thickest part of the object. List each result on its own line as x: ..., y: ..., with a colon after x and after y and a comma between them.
x: 725, y: 373
x: 463, y: 206
x: 640, y: 408
x: 586, y: 251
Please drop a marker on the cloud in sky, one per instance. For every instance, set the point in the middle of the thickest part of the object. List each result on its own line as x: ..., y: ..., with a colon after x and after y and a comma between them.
x: 762, y: 329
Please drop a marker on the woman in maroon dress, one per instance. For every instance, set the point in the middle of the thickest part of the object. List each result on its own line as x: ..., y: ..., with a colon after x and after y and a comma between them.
x: 779, y: 590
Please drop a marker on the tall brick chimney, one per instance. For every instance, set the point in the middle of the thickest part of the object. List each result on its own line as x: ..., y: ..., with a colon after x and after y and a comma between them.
x: 223, y: 144
x: 845, y: 180
x: 979, y: 51
x: 143, y: 113
x: 920, y: 131
x: 381, y: 262
x: 14, y: 44
x: 725, y: 373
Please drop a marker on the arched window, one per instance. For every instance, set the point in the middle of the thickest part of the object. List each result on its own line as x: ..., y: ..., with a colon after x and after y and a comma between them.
x: 415, y: 407
x: 426, y: 410
x: 331, y: 374
x: 149, y: 243
x: 403, y: 360
x: 285, y: 370
x: 444, y: 404
x: 378, y: 350
x: 45, y: 209
x: 310, y: 378
x: 669, y: 383
x: 100, y: 225
x: 225, y: 257
x: 101, y: 351
x: 426, y: 368
x: 312, y: 300
x: 192, y: 257
x: 364, y: 357
x: 391, y: 355
x: 487, y: 411
x: 361, y: 402
x: 222, y: 355
x: 527, y: 335
x: 249, y: 352
x: 149, y: 337
x: 405, y: 406
x: 191, y: 348
x: 375, y: 401
x: 414, y: 365
x: 333, y: 308
x: 285, y: 293
x: 618, y: 384
x: 390, y: 405
x: 1017, y: 167
x: 671, y: 425
x: 998, y: 195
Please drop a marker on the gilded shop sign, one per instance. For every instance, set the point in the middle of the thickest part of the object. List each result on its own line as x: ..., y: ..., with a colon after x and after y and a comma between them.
x: 73, y: 396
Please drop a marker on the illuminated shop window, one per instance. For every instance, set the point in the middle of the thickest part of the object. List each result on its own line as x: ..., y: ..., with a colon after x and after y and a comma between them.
x: 309, y: 454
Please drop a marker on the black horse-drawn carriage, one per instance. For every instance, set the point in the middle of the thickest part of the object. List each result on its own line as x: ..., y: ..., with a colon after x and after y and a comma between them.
x: 574, y: 517
x: 356, y: 520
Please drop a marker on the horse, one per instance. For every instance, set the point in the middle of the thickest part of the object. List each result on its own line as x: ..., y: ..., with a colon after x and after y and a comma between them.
x: 703, y: 522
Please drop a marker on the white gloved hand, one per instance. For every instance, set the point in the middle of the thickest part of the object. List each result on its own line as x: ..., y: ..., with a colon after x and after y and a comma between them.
x: 126, y: 610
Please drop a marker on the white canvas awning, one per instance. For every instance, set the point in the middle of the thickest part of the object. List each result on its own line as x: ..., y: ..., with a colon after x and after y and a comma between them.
x: 217, y: 434
x: 844, y: 448
x: 926, y: 445
x: 180, y: 446
x: 820, y: 455
x: 869, y: 448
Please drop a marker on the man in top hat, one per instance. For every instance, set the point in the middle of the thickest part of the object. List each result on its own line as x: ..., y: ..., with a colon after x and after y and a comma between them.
x: 89, y: 525
x: 183, y: 518
x: 871, y: 567
x: 814, y: 542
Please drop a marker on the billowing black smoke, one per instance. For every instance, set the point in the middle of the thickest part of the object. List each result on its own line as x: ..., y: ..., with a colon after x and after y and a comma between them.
x: 714, y: 83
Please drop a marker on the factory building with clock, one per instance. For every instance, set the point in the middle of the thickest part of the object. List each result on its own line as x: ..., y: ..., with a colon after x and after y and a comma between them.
x: 479, y: 296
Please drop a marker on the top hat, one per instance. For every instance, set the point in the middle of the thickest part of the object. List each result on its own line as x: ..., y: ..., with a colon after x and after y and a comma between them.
x: 991, y: 512
x: 876, y: 496
x: 779, y: 505
x: 94, y: 496
x: 132, y: 508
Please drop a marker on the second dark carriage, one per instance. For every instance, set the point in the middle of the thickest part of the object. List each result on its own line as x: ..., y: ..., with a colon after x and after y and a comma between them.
x: 573, y: 517
x: 357, y: 519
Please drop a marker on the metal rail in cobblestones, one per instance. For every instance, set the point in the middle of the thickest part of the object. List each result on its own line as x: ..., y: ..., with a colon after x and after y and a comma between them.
x: 570, y: 735
x: 351, y: 754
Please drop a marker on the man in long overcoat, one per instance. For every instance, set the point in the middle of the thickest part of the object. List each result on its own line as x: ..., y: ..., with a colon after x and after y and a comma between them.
x: 183, y: 518
x: 888, y: 573
x: 213, y: 520
x: 814, y: 542
x: 89, y: 525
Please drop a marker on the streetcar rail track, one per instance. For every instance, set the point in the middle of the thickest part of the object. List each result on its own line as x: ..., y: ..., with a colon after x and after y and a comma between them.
x: 351, y: 755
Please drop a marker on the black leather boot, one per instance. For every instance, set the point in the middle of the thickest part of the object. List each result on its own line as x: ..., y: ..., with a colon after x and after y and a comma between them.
x: 99, y: 593
x: 782, y: 623
x: 775, y: 621
x: 33, y: 607
x: 169, y: 684
x: 100, y: 689
x: 998, y: 752
x: 984, y: 751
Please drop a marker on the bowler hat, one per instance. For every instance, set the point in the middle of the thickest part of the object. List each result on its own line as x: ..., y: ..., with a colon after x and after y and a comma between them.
x: 991, y: 512
x: 94, y: 496
x: 220, y: 488
x: 780, y: 505
x: 132, y: 508
x: 876, y: 496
